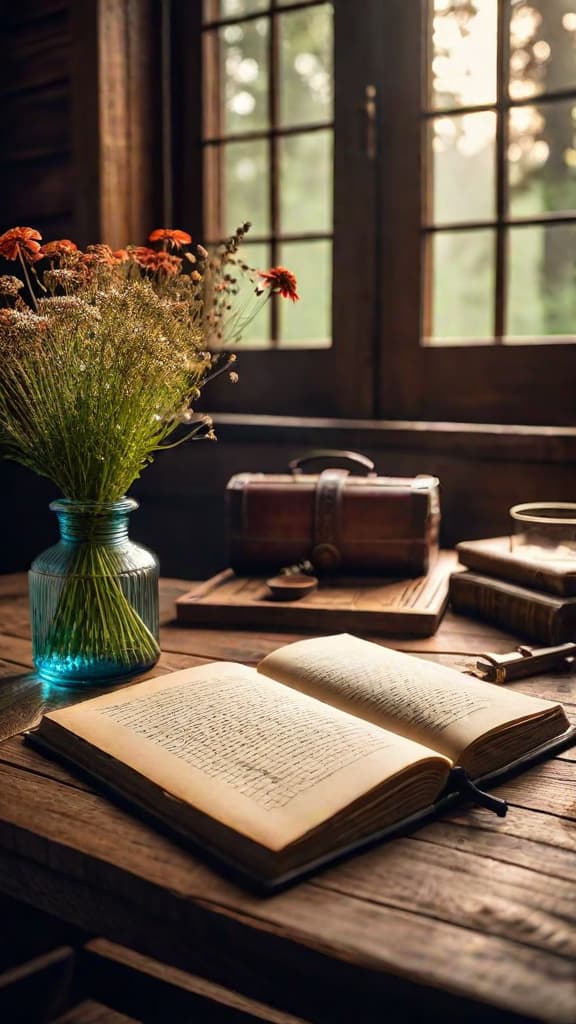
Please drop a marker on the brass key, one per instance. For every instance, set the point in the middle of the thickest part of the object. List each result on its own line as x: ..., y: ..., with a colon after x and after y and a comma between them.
x: 524, y: 661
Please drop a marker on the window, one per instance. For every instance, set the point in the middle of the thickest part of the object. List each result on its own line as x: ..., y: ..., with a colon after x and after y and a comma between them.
x: 500, y: 149
x: 268, y: 143
x: 449, y: 247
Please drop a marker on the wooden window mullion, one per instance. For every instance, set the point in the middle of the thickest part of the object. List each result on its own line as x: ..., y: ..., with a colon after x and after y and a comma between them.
x: 273, y: 146
x: 501, y: 171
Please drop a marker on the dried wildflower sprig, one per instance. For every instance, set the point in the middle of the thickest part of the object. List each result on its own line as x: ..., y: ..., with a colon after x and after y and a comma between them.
x: 91, y: 389
x: 100, y: 367
x: 113, y: 356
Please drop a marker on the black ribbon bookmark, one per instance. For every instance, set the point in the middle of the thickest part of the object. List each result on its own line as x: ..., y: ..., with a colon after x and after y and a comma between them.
x: 463, y: 784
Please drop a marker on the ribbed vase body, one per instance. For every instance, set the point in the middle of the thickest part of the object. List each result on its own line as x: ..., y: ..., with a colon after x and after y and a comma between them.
x: 94, y: 598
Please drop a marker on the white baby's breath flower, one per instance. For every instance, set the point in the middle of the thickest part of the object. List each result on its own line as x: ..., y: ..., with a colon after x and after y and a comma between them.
x: 10, y: 285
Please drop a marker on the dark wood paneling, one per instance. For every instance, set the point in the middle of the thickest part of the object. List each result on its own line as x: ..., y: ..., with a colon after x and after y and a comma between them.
x: 35, y: 54
x: 39, y: 189
x: 36, y: 166
x: 15, y: 15
x: 36, y: 123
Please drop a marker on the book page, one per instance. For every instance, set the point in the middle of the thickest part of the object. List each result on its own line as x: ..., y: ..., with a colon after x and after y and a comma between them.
x: 427, y: 702
x: 261, y: 758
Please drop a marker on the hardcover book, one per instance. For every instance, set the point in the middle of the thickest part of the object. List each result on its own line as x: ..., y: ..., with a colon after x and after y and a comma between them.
x: 532, y: 613
x: 494, y: 557
x: 329, y: 745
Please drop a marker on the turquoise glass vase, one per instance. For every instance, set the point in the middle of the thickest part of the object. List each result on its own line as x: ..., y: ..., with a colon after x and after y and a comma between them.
x: 94, y: 598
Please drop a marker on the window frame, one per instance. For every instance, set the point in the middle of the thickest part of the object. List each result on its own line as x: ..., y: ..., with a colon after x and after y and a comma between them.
x: 508, y: 384
x: 377, y: 365
x: 335, y: 381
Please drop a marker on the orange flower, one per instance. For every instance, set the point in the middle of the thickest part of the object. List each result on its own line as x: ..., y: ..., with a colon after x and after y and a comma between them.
x: 152, y: 260
x: 171, y: 264
x: 143, y: 254
x: 20, y: 242
x: 175, y: 238
x: 120, y: 255
x: 60, y: 247
x: 279, y: 279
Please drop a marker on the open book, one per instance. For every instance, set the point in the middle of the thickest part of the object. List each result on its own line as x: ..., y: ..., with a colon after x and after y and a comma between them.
x: 329, y: 744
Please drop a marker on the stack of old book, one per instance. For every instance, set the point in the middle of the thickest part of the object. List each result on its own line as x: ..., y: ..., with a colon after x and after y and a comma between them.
x: 528, y: 593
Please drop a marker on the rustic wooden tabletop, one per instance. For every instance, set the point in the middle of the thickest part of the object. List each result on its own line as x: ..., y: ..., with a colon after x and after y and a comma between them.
x: 471, y: 918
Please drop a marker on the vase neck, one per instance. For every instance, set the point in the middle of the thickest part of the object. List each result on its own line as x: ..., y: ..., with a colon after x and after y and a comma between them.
x: 93, y: 522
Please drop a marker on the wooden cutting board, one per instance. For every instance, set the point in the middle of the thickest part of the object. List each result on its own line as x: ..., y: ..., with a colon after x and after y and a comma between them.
x: 385, y: 606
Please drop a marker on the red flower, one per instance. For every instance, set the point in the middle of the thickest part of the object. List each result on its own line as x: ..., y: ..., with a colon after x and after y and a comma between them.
x: 60, y: 247
x: 279, y: 279
x: 20, y: 241
x: 175, y: 238
x: 143, y: 254
x: 152, y: 260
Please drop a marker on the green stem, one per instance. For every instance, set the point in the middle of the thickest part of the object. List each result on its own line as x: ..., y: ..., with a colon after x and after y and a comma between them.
x: 94, y: 619
x: 26, y: 275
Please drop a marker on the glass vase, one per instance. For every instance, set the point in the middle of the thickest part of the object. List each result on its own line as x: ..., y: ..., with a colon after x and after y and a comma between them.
x: 94, y: 598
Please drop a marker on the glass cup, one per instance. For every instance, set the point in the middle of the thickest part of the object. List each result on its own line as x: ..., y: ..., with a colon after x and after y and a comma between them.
x: 544, y: 530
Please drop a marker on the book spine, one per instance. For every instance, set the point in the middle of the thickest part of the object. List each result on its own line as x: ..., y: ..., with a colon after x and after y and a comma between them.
x: 536, y: 619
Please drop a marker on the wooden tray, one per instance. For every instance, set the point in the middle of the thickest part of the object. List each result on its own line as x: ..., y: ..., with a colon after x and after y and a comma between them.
x: 386, y: 606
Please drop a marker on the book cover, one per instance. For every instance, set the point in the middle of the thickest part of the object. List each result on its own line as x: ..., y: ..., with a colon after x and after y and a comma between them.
x: 494, y: 557
x: 534, y: 614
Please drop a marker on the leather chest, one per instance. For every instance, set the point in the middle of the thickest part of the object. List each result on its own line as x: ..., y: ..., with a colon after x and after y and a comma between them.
x: 338, y: 521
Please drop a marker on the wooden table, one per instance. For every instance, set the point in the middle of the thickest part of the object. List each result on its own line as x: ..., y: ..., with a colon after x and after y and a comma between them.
x: 472, y: 918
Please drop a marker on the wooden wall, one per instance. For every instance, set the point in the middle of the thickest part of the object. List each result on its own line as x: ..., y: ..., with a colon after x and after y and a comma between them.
x: 36, y: 189
x: 36, y: 165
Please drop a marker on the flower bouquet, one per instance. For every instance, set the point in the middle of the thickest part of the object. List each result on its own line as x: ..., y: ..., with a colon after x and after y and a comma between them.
x: 104, y: 357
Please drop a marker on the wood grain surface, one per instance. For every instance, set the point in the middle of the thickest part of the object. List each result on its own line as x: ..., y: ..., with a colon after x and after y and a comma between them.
x: 382, y: 607
x: 472, y: 918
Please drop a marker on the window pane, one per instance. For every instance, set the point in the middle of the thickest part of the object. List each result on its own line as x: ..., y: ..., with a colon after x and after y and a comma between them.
x: 306, y: 182
x: 246, y: 186
x: 462, y: 268
x: 244, y: 75
x: 256, y: 333
x: 541, y: 291
x: 235, y: 8
x: 463, y: 72
x: 542, y: 158
x: 463, y: 151
x: 307, y: 323
x: 306, y: 50
x: 542, y: 47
